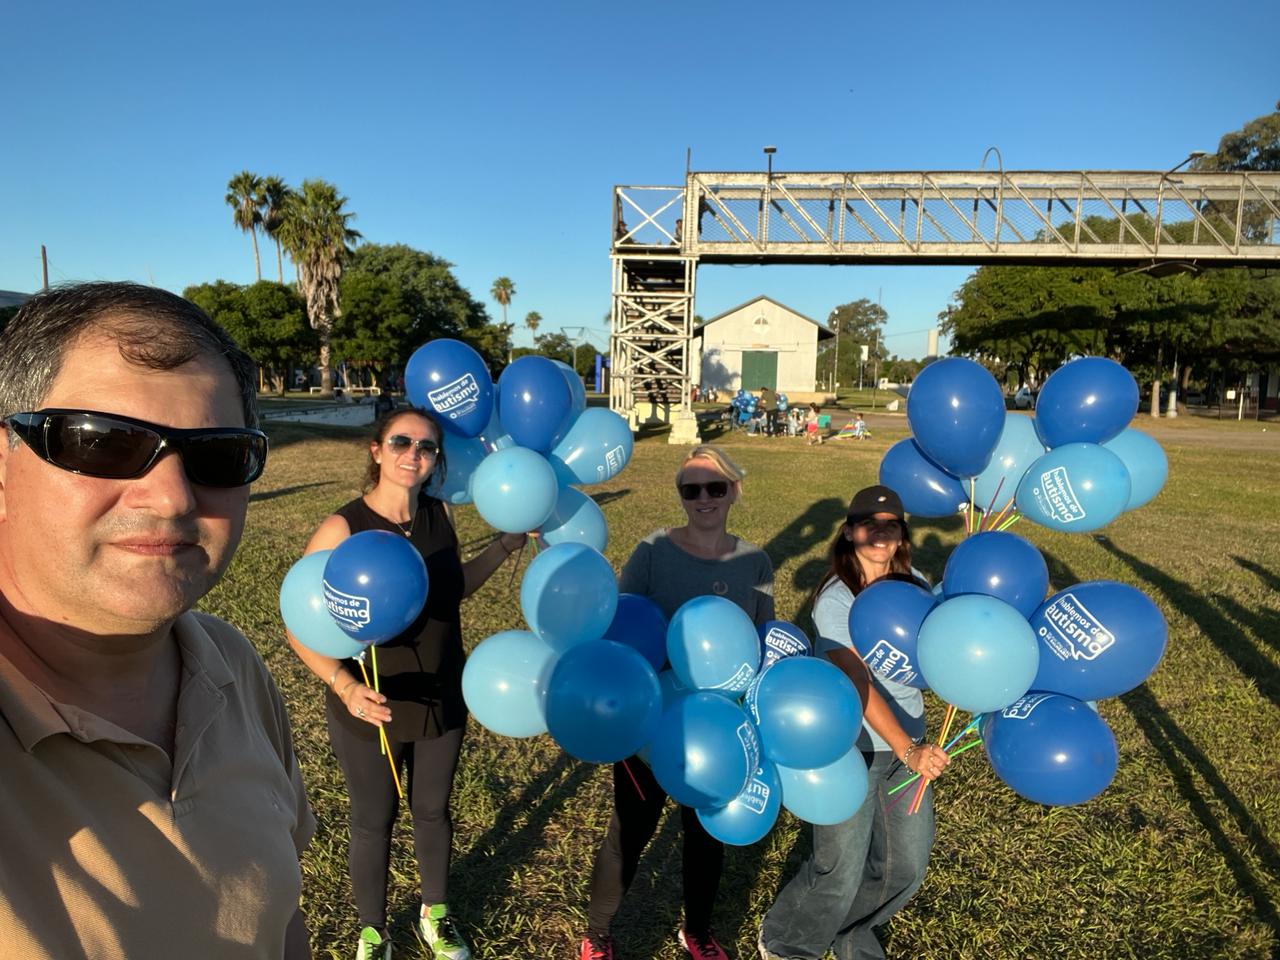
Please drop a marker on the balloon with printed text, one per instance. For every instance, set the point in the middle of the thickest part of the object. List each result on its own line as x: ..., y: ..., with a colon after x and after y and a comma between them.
x: 1097, y: 639
x: 780, y: 640
x: 1075, y: 488
x: 375, y: 585
x: 594, y: 449
x: 305, y: 613
x: 704, y: 751
x: 451, y: 380
x: 884, y: 625
x: 750, y: 815
x: 712, y: 645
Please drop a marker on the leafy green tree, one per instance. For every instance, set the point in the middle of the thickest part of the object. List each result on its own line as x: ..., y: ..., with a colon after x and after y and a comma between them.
x: 859, y: 323
x: 244, y: 195
x: 316, y: 234
x: 275, y: 196
x: 439, y: 305
x: 1255, y: 146
x: 268, y: 320
x: 376, y: 327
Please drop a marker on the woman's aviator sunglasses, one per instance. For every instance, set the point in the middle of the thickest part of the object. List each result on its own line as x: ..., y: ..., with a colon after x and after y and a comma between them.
x: 115, y: 447
x: 716, y: 489
x: 399, y: 443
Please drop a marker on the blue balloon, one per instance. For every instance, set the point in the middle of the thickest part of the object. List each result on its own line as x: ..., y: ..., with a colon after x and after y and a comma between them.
x: 462, y: 456
x: 514, y: 490
x: 705, y: 750
x: 712, y: 645
x: 640, y: 625
x: 375, y: 585
x: 451, y: 380
x: 884, y: 624
x: 594, y: 449
x: 1001, y: 565
x: 925, y: 488
x: 1097, y: 639
x: 978, y: 653
x: 1089, y: 400
x: 1144, y: 458
x: 577, y: 392
x: 575, y: 519
x: 810, y: 713
x: 1051, y: 749
x: 534, y: 401
x: 603, y: 702
x: 779, y: 640
x: 505, y: 682
x: 305, y: 613
x: 750, y: 815
x: 568, y: 595
x: 1074, y: 488
x: 956, y: 412
x: 1019, y: 447
x: 827, y: 795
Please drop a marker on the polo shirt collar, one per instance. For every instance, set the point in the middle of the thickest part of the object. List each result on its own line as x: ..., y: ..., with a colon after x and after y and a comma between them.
x: 33, y: 716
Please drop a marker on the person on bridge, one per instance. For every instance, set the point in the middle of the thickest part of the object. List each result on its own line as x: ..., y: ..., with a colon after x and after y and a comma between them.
x: 671, y: 566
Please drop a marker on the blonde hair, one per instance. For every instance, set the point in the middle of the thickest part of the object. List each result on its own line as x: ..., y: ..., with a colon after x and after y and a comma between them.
x: 723, y: 465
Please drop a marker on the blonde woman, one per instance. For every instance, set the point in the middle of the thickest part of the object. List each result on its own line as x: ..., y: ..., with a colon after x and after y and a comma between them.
x: 670, y: 566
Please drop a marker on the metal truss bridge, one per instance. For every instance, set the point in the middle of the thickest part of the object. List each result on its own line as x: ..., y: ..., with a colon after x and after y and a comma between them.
x: 1140, y: 219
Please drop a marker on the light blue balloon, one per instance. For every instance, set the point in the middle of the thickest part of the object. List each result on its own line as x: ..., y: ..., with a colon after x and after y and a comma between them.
x: 1019, y: 446
x: 514, y: 490
x: 827, y: 795
x: 1144, y: 458
x: 305, y: 614
x: 977, y: 652
x: 1075, y: 488
x: 594, y: 449
x: 568, y: 595
x: 505, y: 683
x: 712, y: 645
x: 750, y: 815
x: 575, y: 519
x: 462, y: 455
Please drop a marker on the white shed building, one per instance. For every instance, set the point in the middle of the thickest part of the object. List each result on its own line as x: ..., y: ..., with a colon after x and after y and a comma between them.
x: 761, y: 343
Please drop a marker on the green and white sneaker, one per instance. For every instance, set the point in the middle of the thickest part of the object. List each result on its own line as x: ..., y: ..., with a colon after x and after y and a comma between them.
x: 441, y: 934
x: 373, y: 945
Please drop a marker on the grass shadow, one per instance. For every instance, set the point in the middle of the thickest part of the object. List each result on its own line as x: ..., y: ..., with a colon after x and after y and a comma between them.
x: 285, y: 491
x: 1190, y: 769
x: 1220, y: 631
x: 608, y: 496
x: 932, y: 543
x: 653, y: 908
x: 1266, y: 576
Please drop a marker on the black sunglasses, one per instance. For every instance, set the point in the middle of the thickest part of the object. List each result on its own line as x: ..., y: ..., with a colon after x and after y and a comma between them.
x: 716, y: 489
x: 115, y: 447
x: 399, y: 443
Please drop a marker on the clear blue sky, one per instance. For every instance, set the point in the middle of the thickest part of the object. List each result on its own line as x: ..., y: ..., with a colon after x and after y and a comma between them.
x: 492, y: 133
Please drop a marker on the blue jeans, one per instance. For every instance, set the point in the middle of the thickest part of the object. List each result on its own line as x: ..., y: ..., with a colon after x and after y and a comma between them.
x: 861, y: 873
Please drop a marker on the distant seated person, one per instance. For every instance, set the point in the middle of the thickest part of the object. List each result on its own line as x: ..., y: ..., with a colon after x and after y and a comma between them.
x: 860, y: 428
x: 383, y: 403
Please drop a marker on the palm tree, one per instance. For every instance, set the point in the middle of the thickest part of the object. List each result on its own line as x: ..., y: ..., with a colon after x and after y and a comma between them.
x: 244, y: 195
x: 316, y: 234
x: 532, y: 320
x: 502, y: 291
x: 275, y: 194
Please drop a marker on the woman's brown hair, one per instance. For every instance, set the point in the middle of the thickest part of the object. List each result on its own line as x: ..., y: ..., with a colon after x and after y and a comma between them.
x: 382, y: 427
x: 843, y: 563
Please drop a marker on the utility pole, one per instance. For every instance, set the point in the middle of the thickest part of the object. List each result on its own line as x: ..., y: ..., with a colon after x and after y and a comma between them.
x: 44, y: 266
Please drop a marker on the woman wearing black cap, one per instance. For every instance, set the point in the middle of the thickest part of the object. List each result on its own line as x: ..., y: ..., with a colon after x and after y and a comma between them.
x: 864, y: 870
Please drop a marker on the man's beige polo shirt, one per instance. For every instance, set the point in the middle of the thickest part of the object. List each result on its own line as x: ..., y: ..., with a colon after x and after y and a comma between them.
x: 109, y: 851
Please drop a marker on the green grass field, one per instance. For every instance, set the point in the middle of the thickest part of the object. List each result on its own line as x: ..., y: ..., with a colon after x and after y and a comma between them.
x: 1179, y: 858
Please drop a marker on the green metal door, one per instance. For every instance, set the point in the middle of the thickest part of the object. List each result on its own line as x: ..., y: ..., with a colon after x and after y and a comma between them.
x: 759, y: 369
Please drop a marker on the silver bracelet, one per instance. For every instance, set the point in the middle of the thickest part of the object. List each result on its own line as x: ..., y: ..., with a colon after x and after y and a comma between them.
x: 906, y: 754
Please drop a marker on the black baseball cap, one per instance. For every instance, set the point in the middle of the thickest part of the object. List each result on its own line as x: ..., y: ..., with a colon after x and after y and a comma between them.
x: 869, y: 501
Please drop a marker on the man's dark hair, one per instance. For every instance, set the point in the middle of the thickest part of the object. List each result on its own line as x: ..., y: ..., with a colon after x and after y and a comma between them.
x: 151, y: 327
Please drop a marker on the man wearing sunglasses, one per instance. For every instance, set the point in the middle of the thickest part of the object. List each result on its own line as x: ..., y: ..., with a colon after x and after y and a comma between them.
x: 151, y: 799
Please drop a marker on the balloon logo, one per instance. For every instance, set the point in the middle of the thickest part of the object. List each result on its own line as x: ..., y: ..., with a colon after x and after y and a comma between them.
x: 450, y: 379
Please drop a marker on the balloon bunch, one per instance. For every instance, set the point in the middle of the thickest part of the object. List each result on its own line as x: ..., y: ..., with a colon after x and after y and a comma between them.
x: 345, y: 601
x: 517, y: 450
x: 986, y: 640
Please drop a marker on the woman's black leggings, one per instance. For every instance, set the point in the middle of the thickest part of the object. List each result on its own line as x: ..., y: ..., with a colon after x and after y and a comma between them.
x: 430, y: 765
x: 635, y: 818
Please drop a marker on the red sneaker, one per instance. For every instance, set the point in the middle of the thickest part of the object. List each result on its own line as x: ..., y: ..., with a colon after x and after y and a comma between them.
x: 596, y: 948
x: 702, y: 948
